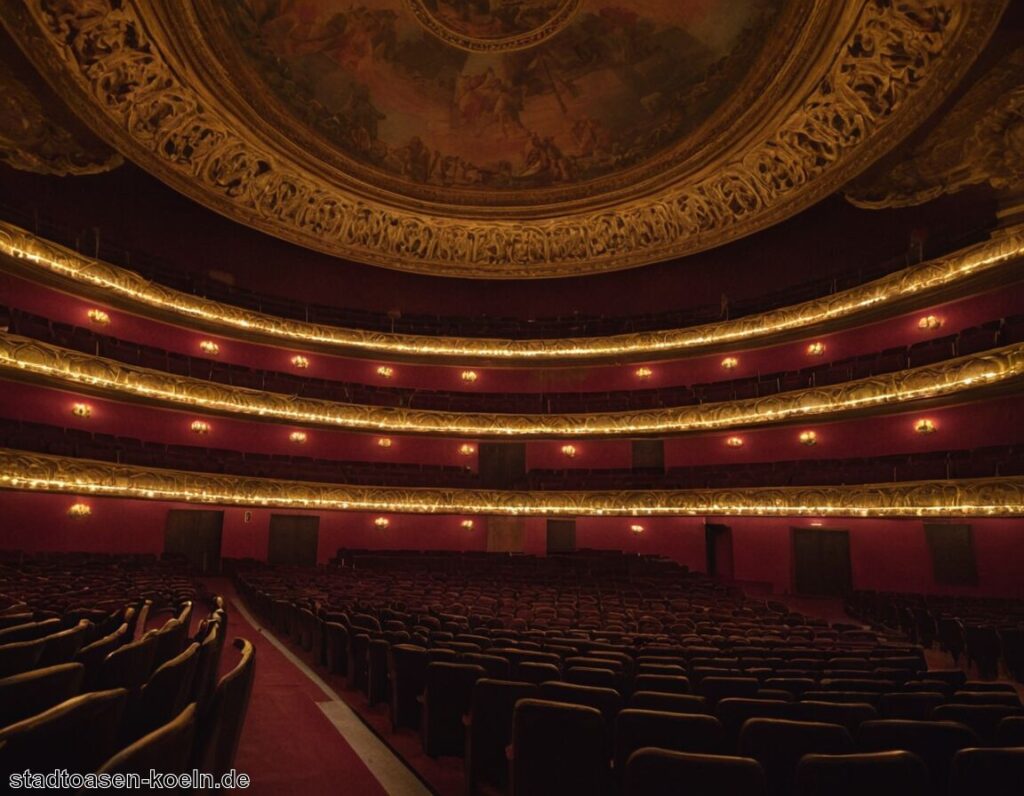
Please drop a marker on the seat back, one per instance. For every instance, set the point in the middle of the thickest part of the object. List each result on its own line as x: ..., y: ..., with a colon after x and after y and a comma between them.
x: 61, y: 647
x: 716, y: 688
x: 997, y: 771
x: 659, y: 772
x: 446, y: 699
x: 170, y: 640
x: 983, y: 719
x: 558, y: 749
x: 490, y: 728
x: 26, y: 694
x: 733, y: 712
x: 92, y: 655
x: 29, y: 631
x: 917, y: 706
x: 875, y: 773
x: 20, y: 656
x: 217, y: 741
x: 778, y: 745
x: 1010, y: 731
x: 673, y: 703
x: 850, y: 714
x: 681, y: 732
x: 935, y: 742
x: 166, y: 749
x: 167, y: 692
x: 407, y: 669
x: 207, y: 666
x: 606, y: 700
x: 128, y: 666
x: 78, y: 734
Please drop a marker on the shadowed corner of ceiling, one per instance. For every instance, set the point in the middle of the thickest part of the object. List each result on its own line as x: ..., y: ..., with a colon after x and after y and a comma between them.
x: 37, y: 131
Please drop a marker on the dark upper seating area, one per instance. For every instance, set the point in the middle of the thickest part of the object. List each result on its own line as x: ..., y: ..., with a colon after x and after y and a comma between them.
x: 985, y: 462
x: 93, y: 677
x: 573, y: 325
x: 548, y: 676
x: 968, y: 341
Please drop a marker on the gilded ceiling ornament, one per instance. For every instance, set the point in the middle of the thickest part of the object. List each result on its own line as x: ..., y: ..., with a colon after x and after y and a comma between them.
x: 37, y: 136
x: 25, y: 359
x: 980, y: 141
x: 485, y: 33
x: 878, y: 68
x: 983, y: 497
x: 37, y: 258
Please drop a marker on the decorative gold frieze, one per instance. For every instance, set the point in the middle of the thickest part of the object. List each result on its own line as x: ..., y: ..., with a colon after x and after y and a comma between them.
x: 983, y: 497
x: 35, y: 256
x: 126, y: 66
x: 23, y: 358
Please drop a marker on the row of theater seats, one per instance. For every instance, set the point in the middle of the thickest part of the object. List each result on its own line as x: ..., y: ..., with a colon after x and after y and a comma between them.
x: 85, y: 687
x: 1002, y: 460
x: 988, y: 632
x: 574, y: 325
x: 548, y: 681
x: 968, y: 341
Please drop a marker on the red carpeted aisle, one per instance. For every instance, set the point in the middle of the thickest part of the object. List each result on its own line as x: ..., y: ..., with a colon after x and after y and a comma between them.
x: 288, y: 745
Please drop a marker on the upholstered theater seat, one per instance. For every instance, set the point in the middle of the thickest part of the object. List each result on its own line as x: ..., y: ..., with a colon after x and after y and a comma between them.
x: 875, y: 773
x: 26, y: 694
x: 558, y: 749
x: 779, y: 744
x: 166, y: 749
x: 659, y: 772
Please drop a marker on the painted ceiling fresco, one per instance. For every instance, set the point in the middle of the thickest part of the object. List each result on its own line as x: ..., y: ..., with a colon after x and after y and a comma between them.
x: 503, y: 94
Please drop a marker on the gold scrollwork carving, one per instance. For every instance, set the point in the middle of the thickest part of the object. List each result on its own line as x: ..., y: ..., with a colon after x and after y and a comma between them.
x: 23, y: 358
x: 983, y: 497
x: 32, y: 254
x: 119, y: 68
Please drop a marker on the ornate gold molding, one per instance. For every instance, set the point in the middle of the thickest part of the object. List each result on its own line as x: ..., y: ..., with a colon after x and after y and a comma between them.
x: 886, y: 66
x: 23, y: 358
x: 984, y: 497
x: 980, y: 141
x: 34, y: 257
x: 562, y: 16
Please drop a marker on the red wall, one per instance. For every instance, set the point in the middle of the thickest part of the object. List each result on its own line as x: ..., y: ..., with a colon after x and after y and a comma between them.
x: 885, y: 554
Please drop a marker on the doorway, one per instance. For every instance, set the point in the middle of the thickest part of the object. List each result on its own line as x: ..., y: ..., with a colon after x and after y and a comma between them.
x: 561, y: 536
x: 821, y: 562
x: 718, y: 550
x: 294, y: 539
x: 196, y: 535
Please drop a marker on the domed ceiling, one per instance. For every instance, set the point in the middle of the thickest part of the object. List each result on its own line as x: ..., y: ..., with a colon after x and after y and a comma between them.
x: 504, y: 138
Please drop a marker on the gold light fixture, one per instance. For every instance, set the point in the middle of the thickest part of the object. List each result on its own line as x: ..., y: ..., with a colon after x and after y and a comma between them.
x: 467, y: 524
x: 99, y: 317
x: 300, y: 361
x: 81, y: 410
x: 925, y: 426
x: 734, y: 442
x: 79, y: 511
x: 200, y: 427
x: 816, y: 349
x: 929, y: 322
x: 730, y: 362
x: 466, y: 449
x: 636, y: 530
x: 569, y: 450
x: 385, y: 371
x: 644, y: 373
x: 298, y: 437
x: 382, y: 522
x: 384, y: 442
x: 808, y: 438
x: 209, y: 347
x: 469, y: 376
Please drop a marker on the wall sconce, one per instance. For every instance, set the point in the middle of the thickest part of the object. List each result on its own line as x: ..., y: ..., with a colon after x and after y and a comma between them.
x: 298, y: 437
x: 385, y: 371
x: 382, y: 522
x: 636, y: 530
x: 466, y: 449
x: 929, y: 322
x: 644, y: 373
x: 79, y: 511
x: 730, y: 362
x: 924, y: 426
x: 469, y: 376
x: 816, y: 349
x: 300, y: 361
x: 99, y: 317
x: 467, y: 524
x: 384, y: 442
x: 816, y: 523
x: 734, y: 442
x: 209, y: 347
x: 808, y: 438
x: 569, y: 450
x: 200, y: 427
x: 81, y: 410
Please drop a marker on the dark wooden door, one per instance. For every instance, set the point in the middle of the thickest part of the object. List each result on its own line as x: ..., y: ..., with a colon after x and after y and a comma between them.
x: 649, y: 454
x: 821, y: 561
x: 195, y: 534
x: 502, y: 465
x: 718, y: 549
x: 561, y: 536
x: 293, y: 539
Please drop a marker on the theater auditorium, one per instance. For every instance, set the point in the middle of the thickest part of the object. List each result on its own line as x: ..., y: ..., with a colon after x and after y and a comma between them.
x: 512, y: 397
